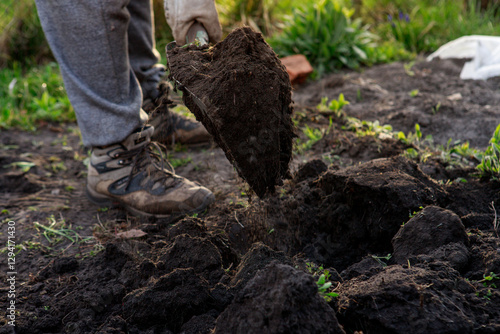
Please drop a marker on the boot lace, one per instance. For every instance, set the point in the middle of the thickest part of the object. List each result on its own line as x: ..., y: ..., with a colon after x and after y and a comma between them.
x: 151, y: 159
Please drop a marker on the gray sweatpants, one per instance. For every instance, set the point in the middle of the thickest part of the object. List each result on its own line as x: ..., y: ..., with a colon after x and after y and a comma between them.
x: 106, y: 52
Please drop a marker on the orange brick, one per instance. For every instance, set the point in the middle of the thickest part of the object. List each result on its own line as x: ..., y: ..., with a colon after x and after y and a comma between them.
x: 298, y: 68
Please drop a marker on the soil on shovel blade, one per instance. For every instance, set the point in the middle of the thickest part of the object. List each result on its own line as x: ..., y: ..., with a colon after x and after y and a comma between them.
x: 246, y: 95
x: 362, y: 238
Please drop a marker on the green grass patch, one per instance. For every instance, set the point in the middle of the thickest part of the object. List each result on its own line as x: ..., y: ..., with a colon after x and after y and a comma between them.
x: 425, y: 25
x: 31, y: 95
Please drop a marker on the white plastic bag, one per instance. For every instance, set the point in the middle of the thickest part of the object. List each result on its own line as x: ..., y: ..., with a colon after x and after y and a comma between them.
x: 484, y: 51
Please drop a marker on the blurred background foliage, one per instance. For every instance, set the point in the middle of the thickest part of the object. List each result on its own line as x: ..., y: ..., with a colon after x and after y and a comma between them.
x: 291, y: 26
x: 333, y: 34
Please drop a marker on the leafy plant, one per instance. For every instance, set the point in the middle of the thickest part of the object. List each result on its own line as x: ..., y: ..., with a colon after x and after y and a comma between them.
x: 324, y: 32
x: 409, y: 31
x: 368, y: 128
x: 324, y: 285
x: 490, y: 162
x: 334, y: 107
x: 313, y: 136
x: 414, y: 92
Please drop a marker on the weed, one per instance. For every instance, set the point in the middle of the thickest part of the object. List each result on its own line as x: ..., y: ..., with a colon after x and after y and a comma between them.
x: 334, y: 107
x: 488, y: 280
x: 18, y: 248
x: 459, y: 154
x: 414, y: 213
x: 436, y: 108
x: 490, y: 161
x: 414, y: 93
x: 178, y: 162
x: 313, y: 136
x: 325, y: 289
x: 23, y: 165
x: 368, y: 128
x: 408, y: 68
x: 359, y: 98
x: 57, y: 231
x: 380, y: 258
x: 96, y: 249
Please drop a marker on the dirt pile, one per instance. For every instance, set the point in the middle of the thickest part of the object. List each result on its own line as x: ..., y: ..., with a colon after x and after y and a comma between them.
x: 410, y: 246
x: 279, y: 299
x: 241, y: 92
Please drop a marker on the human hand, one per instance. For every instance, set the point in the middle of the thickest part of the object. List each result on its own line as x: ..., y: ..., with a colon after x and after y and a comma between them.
x: 181, y: 14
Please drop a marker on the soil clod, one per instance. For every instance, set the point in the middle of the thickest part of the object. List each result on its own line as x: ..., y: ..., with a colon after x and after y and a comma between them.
x: 241, y: 92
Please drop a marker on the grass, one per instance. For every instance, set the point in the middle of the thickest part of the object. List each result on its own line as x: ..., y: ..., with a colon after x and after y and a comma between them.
x: 56, y: 231
x: 424, y: 25
x: 33, y: 95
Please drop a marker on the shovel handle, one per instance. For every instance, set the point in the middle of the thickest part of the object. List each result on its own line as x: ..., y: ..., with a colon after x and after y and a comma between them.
x: 197, y: 32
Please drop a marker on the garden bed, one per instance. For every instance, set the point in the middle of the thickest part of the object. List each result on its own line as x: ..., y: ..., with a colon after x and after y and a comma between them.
x: 250, y: 265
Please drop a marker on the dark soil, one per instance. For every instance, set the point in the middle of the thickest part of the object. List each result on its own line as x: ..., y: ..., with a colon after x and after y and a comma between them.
x: 241, y: 92
x: 250, y: 265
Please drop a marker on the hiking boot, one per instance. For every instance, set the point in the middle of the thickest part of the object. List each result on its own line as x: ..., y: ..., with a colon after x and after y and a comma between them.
x: 134, y: 174
x: 170, y: 127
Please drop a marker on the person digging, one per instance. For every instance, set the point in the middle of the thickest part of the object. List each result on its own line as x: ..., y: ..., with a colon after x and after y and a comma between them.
x: 107, y: 57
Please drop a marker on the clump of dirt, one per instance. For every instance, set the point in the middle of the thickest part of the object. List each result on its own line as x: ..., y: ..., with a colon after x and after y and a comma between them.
x: 427, y: 231
x: 409, y: 300
x: 241, y: 92
x: 279, y: 299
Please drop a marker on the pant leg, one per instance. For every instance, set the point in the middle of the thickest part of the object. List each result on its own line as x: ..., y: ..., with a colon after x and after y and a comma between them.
x: 142, y: 52
x: 89, y: 40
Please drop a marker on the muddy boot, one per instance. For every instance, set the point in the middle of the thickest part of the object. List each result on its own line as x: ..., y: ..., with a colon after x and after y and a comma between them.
x: 134, y: 174
x: 170, y: 127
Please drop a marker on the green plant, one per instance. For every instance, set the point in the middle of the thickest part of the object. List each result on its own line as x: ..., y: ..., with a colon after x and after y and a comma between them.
x: 490, y: 161
x: 21, y: 35
x: 414, y: 92
x: 368, y: 128
x: 33, y: 95
x: 423, y: 25
x: 313, y: 136
x: 57, y: 230
x: 23, y: 165
x: 380, y: 258
x: 459, y: 154
x: 178, y: 162
x: 324, y: 32
x: 488, y: 280
x: 334, y: 107
x: 410, y: 31
x: 325, y: 289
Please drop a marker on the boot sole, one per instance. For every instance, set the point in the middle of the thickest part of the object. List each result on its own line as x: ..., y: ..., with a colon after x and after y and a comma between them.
x: 103, y: 200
